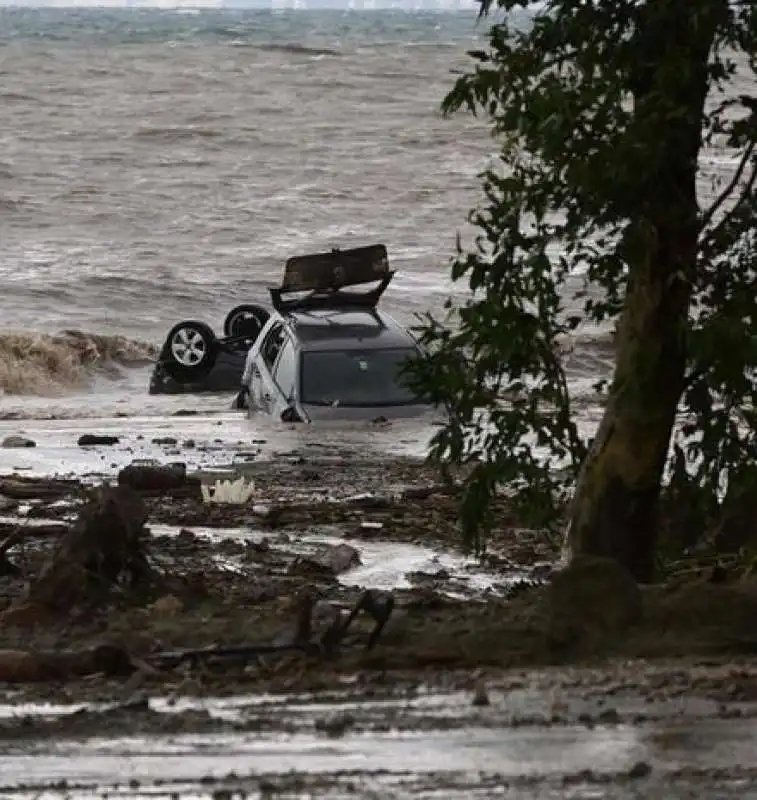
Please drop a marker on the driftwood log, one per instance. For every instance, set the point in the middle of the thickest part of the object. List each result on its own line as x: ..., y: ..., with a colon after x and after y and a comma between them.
x: 18, y: 488
x: 44, y: 666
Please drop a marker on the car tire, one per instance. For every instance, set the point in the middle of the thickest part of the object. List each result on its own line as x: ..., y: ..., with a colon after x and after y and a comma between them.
x: 246, y: 320
x: 190, y: 351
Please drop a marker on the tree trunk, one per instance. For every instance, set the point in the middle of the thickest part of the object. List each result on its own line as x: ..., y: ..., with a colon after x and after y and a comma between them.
x: 614, y: 513
x: 615, y: 509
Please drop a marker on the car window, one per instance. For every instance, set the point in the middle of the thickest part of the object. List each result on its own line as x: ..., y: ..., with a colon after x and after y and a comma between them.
x: 286, y: 369
x: 356, y: 377
x: 272, y: 345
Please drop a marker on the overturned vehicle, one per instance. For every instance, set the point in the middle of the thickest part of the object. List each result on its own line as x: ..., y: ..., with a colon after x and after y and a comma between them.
x: 194, y: 359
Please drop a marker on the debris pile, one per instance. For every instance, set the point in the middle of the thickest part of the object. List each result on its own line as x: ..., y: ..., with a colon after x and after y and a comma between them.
x: 106, y: 546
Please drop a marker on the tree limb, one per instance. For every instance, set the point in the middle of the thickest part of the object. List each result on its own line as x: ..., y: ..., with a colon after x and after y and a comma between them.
x: 728, y: 191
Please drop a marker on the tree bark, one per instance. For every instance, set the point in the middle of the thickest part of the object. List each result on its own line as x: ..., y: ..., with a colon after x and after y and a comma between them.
x: 615, y: 508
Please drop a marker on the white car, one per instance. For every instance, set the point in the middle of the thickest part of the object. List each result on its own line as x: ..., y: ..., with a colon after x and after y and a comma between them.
x: 326, y: 353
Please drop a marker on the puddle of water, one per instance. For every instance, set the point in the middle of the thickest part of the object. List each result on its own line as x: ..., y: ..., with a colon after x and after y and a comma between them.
x: 386, y: 564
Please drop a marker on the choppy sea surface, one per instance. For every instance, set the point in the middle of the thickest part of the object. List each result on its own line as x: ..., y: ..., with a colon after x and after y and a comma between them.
x: 157, y: 165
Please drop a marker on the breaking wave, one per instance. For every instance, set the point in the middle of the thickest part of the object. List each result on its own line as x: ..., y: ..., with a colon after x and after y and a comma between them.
x: 43, y: 364
x: 299, y: 49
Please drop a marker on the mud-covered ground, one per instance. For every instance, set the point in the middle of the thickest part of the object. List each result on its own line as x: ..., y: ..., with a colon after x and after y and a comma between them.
x: 478, y: 657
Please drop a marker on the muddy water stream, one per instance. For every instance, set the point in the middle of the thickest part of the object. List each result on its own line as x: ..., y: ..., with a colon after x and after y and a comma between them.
x: 431, y: 745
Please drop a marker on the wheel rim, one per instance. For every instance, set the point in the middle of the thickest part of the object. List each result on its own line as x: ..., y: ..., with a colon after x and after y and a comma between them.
x: 188, y: 347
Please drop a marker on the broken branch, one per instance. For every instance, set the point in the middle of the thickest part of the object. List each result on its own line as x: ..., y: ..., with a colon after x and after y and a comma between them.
x: 722, y: 198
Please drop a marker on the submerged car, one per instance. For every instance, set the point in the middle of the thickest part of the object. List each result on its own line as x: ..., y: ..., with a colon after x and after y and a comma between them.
x: 329, y: 353
x: 194, y: 359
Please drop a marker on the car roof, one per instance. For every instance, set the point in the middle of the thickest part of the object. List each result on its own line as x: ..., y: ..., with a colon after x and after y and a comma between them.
x: 341, y: 329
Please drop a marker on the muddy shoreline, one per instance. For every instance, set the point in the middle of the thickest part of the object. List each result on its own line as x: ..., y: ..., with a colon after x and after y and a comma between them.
x: 235, y: 572
x: 475, y: 634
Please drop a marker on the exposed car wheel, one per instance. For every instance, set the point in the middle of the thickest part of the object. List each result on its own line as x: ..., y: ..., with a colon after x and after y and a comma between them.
x: 190, y: 351
x: 246, y: 320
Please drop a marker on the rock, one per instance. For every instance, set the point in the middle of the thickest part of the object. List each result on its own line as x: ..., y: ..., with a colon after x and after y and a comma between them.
x: 304, y: 567
x: 480, y: 695
x: 329, y: 561
x: 592, y: 600
x: 91, y: 439
x: 18, y: 441
x: 231, y: 547
x: 159, y: 479
x: 427, y: 578
x: 336, y: 725
x: 167, y: 606
x: 8, y: 504
x: 165, y: 440
x: 263, y: 511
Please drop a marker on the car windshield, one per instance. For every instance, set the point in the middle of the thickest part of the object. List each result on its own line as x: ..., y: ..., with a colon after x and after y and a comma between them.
x: 355, y: 377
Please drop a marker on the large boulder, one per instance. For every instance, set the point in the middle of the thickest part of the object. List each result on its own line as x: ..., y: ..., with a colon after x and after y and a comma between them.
x: 591, y: 602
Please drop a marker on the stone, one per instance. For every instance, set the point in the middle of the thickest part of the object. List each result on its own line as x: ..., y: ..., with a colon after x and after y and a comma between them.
x: 8, y: 504
x: 328, y: 561
x: 18, y: 441
x: 480, y: 695
x: 158, y: 478
x: 335, y: 725
x: 167, y: 606
x: 93, y: 439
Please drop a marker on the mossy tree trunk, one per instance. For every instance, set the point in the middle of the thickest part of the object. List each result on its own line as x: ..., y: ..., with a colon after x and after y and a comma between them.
x: 615, y: 507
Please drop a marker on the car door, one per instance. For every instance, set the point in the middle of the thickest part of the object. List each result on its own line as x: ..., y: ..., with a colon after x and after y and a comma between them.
x: 284, y: 377
x: 263, y: 390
